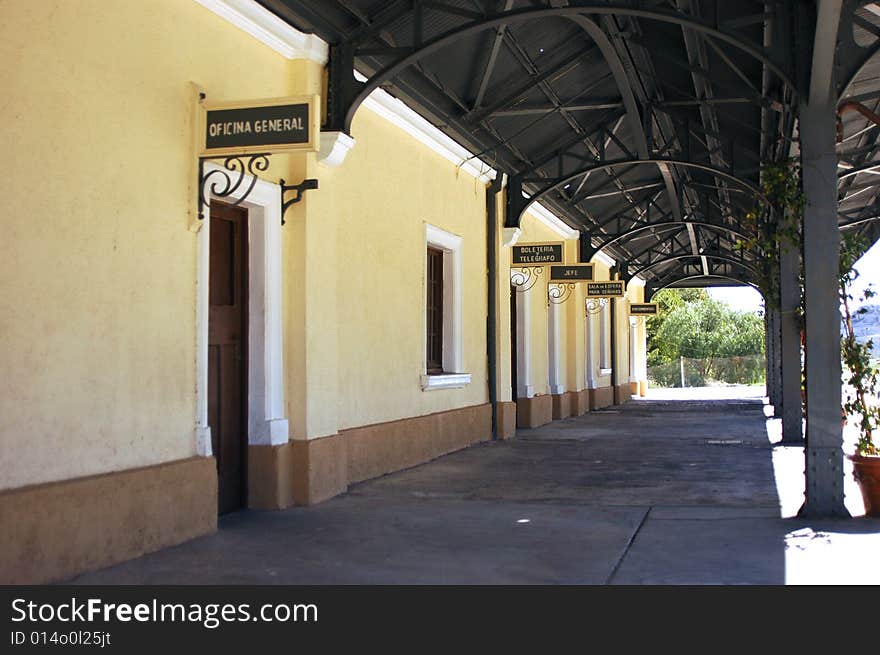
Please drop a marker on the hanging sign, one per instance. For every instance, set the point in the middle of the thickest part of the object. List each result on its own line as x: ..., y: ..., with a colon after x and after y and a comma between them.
x: 605, y: 289
x: 643, y: 309
x: 260, y: 126
x: 536, y: 254
x: 571, y: 273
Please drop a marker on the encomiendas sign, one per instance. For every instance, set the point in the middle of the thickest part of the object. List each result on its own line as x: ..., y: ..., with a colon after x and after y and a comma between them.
x: 643, y: 309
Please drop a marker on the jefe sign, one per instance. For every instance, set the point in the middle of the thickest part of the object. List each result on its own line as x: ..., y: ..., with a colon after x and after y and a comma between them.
x: 265, y: 126
x: 571, y: 273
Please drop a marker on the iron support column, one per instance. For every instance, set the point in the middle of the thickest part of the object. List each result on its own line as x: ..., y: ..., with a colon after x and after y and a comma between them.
x: 773, y: 360
x: 767, y: 355
x: 824, y: 438
x: 790, y: 347
x: 492, y: 279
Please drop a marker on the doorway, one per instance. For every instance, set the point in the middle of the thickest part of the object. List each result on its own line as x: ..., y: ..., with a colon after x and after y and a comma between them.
x: 513, y: 342
x: 227, y: 352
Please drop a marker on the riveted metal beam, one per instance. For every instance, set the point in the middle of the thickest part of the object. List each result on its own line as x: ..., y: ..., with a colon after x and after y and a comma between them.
x: 712, y: 257
x: 516, y: 16
x: 656, y: 286
x: 670, y: 161
x: 665, y: 225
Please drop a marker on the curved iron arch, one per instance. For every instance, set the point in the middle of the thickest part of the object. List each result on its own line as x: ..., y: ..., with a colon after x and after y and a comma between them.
x: 665, y: 224
x: 851, y: 172
x: 666, y: 260
x: 518, y: 206
x: 732, y: 278
x: 525, y: 15
x: 847, y: 44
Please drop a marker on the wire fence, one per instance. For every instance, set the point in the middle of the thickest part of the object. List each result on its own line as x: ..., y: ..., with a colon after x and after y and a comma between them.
x: 689, y: 372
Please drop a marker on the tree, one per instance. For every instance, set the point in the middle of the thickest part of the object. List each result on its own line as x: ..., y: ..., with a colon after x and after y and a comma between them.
x: 690, y: 324
x: 661, y: 351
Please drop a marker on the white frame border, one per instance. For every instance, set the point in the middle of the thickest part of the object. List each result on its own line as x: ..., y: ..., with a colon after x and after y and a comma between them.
x: 266, y: 422
x: 524, y: 386
x: 452, y: 246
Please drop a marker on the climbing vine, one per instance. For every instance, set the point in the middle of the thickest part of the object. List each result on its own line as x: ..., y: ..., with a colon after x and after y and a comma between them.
x: 772, y: 233
x: 862, y: 375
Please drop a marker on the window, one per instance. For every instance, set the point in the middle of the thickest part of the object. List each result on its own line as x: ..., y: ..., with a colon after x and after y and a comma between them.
x: 434, y: 348
x: 443, y: 359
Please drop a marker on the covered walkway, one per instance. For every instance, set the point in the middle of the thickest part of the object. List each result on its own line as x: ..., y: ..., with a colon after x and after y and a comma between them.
x: 658, y: 491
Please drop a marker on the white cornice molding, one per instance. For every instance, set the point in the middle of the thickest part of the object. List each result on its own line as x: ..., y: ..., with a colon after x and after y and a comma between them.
x: 552, y: 221
x: 396, y: 112
x: 510, y: 235
x: 293, y: 44
x: 334, y: 147
x: 267, y: 28
x: 602, y: 258
x: 285, y: 39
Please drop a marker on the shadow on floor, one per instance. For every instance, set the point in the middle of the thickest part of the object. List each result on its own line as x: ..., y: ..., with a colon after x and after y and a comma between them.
x: 651, y: 492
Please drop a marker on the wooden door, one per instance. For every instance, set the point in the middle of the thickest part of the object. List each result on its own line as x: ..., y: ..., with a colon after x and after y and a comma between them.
x: 227, y: 353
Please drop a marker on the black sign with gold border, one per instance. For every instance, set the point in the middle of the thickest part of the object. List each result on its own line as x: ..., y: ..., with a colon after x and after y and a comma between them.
x: 260, y: 126
x: 536, y: 254
x: 643, y: 309
x: 608, y: 289
x: 571, y: 273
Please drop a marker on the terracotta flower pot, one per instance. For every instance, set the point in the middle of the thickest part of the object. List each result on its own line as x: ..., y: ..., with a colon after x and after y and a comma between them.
x: 866, y: 471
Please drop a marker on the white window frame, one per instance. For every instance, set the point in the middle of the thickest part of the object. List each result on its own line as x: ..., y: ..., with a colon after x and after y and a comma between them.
x: 452, y: 247
x: 590, y: 357
x: 633, y: 349
x: 525, y: 388
x: 554, y: 367
x: 605, y: 328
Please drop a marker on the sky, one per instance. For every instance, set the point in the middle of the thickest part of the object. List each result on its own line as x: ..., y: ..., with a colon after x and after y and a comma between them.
x: 746, y: 299
x: 742, y: 299
x: 869, y: 273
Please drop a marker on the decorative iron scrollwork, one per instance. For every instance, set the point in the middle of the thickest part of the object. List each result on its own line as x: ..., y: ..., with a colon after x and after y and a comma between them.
x: 228, y: 180
x: 559, y: 292
x: 298, y: 190
x: 595, y: 305
x: 525, y: 278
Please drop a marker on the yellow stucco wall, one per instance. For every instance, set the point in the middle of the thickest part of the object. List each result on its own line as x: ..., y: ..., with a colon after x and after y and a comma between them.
x: 535, y: 299
x: 503, y: 336
x: 98, y: 322
x: 97, y: 264
x: 389, y: 187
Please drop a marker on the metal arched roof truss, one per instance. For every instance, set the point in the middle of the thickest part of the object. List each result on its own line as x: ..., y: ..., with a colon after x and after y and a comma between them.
x: 621, y: 117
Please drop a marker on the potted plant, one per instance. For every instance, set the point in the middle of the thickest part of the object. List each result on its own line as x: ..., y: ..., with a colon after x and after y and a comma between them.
x: 861, y: 401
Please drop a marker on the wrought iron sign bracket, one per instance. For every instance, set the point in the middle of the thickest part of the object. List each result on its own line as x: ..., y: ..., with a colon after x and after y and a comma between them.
x: 228, y: 180
x: 298, y: 189
x: 595, y: 305
x: 526, y: 277
x: 559, y: 292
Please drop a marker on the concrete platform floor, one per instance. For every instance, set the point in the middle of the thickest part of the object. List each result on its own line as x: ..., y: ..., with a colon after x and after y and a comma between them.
x: 652, y: 492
